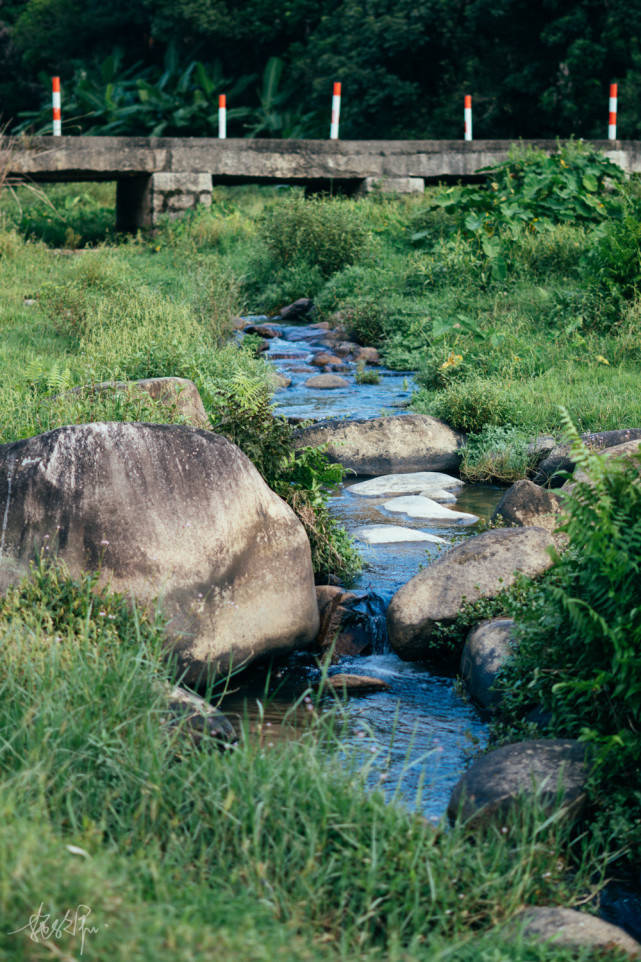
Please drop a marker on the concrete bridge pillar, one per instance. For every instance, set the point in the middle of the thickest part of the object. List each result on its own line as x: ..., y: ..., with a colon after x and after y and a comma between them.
x: 141, y: 200
x: 393, y: 185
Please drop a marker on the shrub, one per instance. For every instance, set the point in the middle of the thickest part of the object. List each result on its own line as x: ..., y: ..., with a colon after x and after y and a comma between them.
x: 329, y: 233
x: 497, y: 453
x: 580, y: 639
x: 615, y: 261
x: 471, y: 405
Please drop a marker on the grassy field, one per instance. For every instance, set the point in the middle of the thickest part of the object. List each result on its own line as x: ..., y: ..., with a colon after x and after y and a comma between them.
x: 263, y: 852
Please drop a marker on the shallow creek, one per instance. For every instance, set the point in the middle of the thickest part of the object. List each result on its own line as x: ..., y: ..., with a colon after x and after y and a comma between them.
x: 418, y: 732
x: 414, y: 738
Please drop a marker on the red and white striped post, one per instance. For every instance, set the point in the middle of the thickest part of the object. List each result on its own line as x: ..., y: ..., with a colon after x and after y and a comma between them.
x: 336, y: 112
x: 222, y: 116
x: 55, y: 101
x: 612, y: 116
x: 467, y: 117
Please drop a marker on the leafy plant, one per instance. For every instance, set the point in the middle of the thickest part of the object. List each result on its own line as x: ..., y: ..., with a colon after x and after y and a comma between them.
x: 580, y: 636
x: 158, y: 101
x: 530, y: 191
x: 274, y: 117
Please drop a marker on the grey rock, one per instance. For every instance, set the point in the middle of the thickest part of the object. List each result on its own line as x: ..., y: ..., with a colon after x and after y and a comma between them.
x: 480, y: 567
x: 388, y: 445
x: 526, y: 503
x: 626, y: 450
x: 300, y: 308
x: 326, y: 382
x: 263, y: 330
x: 562, y: 926
x: 555, y: 771
x: 486, y: 650
x: 167, y: 512
x: 369, y: 355
x: 323, y: 358
x: 197, y: 718
x: 560, y: 458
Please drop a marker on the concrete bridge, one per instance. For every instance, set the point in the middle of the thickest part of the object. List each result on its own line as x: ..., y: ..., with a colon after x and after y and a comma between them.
x: 165, y: 175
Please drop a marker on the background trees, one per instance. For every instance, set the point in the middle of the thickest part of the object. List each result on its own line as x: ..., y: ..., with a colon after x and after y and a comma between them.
x: 536, y: 70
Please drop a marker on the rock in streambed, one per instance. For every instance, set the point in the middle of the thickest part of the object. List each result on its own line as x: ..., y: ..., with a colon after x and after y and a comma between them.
x: 481, y: 567
x: 387, y: 445
x: 554, y: 771
x: 168, y: 512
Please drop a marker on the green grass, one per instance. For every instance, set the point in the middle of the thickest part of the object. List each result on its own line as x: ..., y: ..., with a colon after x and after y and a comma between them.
x: 181, y: 851
x: 267, y: 852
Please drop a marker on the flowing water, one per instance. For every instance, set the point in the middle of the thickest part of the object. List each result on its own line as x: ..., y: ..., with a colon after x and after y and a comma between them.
x: 415, y: 736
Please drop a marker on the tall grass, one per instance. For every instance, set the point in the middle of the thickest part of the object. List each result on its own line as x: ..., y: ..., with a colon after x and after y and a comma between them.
x: 180, y: 851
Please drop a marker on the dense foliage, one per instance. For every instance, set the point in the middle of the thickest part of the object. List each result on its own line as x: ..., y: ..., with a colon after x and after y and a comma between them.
x: 534, y: 69
x: 579, y: 638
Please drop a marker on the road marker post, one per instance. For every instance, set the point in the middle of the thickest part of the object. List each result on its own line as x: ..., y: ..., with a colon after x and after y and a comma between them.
x: 612, y: 115
x: 336, y: 112
x: 222, y: 116
x: 55, y: 102
x: 467, y: 117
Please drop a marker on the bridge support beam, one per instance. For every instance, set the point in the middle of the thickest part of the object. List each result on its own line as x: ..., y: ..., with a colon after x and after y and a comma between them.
x: 393, y: 185
x: 141, y: 201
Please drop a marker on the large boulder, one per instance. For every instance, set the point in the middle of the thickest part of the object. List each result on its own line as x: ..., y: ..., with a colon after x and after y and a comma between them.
x: 527, y: 504
x: 555, y: 771
x: 567, y: 927
x: 480, y: 567
x: 486, y: 650
x: 168, y: 512
x: 388, y: 445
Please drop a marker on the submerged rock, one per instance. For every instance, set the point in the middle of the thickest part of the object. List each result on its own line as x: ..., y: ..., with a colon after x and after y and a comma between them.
x: 394, y: 534
x: 418, y: 506
x: 326, y: 381
x: 552, y: 770
x: 389, y: 445
x: 417, y: 482
x: 481, y: 567
x: 167, y: 512
x: 356, y: 684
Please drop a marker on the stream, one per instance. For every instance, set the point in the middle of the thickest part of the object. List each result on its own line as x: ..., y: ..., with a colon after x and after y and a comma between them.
x: 413, y: 738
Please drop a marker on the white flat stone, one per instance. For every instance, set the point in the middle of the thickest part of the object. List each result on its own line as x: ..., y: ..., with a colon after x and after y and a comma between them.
x: 417, y: 506
x: 394, y: 534
x: 437, y: 494
x: 412, y: 483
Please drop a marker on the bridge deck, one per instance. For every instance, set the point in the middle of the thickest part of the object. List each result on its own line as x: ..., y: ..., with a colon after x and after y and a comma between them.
x: 113, y: 158
x: 165, y: 175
